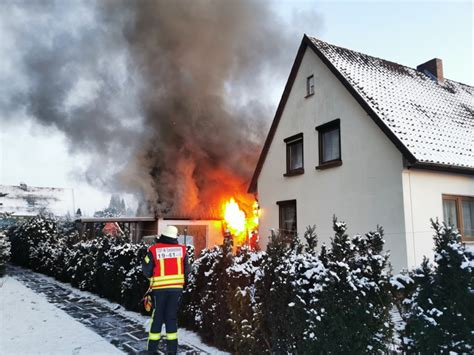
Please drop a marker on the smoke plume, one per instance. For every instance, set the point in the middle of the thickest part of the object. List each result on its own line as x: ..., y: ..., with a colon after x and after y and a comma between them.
x: 171, y: 98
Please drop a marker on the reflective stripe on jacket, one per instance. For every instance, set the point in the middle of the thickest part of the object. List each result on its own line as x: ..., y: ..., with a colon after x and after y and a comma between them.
x: 168, y: 262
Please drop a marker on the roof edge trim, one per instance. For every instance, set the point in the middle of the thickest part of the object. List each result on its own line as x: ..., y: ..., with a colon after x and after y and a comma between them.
x: 284, y: 97
x: 442, y: 167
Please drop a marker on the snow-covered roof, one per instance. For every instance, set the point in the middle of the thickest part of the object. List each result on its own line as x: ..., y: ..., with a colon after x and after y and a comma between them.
x: 430, y: 122
x: 433, y: 120
x: 26, y: 200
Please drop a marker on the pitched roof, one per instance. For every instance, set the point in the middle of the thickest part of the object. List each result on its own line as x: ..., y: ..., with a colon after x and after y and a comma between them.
x: 430, y: 122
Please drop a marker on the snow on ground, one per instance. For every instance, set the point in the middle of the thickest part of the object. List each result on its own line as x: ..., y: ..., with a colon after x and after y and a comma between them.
x: 31, y: 325
x: 185, y: 336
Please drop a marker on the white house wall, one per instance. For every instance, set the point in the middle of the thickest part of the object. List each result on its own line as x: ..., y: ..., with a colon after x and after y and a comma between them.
x: 423, y: 192
x: 365, y: 191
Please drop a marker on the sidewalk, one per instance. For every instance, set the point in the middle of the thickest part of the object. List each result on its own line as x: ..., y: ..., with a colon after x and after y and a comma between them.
x: 123, y: 329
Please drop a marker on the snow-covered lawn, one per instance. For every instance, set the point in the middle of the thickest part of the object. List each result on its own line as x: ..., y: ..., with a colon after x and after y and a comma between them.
x: 31, y: 325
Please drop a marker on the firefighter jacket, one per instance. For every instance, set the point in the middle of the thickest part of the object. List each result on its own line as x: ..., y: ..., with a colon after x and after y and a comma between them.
x: 166, y: 264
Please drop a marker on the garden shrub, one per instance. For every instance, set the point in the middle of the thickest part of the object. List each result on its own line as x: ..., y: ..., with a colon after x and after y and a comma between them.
x: 223, y: 287
x: 245, y: 308
x: 30, y: 238
x: 438, y: 306
x: 294, y: 298
x: 208, y: 302
x: 355, y: 298
x: 107, y: 266
x: 200, y: 278
x: 275, y: 294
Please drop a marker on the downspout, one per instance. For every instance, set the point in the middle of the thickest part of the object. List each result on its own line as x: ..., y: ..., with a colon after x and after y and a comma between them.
x: 412, y: 219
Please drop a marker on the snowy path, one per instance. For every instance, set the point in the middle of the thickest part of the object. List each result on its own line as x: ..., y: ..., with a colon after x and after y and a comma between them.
x: 110, y: 322
x: 31, y: 325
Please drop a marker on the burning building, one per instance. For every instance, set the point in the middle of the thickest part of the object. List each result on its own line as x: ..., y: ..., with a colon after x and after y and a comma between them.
x: 201, y: 232
x: 233, y: 222
x: 164, y: 97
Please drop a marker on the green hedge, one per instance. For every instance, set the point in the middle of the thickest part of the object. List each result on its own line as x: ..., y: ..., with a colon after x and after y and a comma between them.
x: 293, y: 298
x: 107, y: 266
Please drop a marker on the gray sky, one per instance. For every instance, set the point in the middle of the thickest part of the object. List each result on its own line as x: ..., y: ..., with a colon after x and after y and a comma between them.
x: 405, y: 32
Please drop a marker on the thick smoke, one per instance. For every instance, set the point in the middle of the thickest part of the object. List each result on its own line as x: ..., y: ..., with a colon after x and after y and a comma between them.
x: 173, y: 98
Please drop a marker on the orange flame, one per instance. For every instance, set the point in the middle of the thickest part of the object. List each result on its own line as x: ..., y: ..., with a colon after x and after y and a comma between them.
x: 238, y: 224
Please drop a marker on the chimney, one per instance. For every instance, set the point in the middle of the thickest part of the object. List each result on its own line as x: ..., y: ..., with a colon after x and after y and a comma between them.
x: 433, y: 68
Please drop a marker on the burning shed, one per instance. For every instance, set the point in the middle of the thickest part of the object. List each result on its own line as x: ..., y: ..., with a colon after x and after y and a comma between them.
x: 137, y: 227
x: 205, y: 232
x: 201, y: 233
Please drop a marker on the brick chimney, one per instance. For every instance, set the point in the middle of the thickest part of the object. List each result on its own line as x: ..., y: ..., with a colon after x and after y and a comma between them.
x: 432, y: 68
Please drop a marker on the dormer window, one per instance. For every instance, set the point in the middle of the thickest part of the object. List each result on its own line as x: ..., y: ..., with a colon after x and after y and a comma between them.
x: 310, y: 85
x: 294, y: 155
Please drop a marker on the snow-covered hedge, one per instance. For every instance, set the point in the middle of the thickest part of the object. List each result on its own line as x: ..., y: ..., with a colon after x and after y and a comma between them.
x: 4, y: 252
x: 436, y: 300
x: 292, y: 298
x: 107, y: 266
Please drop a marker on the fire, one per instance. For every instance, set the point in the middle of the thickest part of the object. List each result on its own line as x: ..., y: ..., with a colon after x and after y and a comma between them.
x: 241, y: 226
x: 234, y: 217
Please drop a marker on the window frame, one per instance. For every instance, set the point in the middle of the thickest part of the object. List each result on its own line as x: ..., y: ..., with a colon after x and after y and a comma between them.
x: 322, y: 129
x: 297, y: 138
x: 281, y: 205
x: 459, y: 217
x: 309, y: 89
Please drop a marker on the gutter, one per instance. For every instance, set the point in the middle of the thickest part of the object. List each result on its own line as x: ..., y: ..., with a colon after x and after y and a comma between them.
x: 441, y: 167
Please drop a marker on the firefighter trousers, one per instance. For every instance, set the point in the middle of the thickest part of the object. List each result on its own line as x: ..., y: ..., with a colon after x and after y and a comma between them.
x: 165, y: 309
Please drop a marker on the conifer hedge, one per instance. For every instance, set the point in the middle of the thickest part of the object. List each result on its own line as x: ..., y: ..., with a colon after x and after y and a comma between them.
x: 436, y: 300
x: 297, y: 297
x: 4, y: 252
x: 107, y: 266
x: 293, y: 298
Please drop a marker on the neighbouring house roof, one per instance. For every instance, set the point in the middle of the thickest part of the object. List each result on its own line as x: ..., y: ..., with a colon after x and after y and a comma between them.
x: 26, y: 200
x: 430, y: 122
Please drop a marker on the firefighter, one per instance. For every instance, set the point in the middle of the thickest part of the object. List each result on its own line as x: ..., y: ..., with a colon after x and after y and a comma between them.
x: 166, y: 265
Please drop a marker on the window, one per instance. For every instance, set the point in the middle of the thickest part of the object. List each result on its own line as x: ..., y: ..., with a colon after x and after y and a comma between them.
x: 459, y: 212
x: 329, y: 144
x: 287, y: 217
x: 294, y: 155
x: 310, y: 85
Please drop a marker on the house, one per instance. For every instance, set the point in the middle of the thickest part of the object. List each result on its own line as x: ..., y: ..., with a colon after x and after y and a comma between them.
x: 27, y: 201
x: 373, y: 142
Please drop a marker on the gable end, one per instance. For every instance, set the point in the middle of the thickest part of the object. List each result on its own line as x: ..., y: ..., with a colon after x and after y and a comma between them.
x: 284, y: 97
